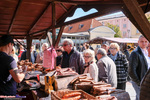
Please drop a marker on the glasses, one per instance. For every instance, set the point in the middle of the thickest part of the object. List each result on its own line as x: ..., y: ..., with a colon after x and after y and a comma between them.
x: 65, y: 45
x: 58, y: 51
x: 86, y: 56
x: 112, y: 48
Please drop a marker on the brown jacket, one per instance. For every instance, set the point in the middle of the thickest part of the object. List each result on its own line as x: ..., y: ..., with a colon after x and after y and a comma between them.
x: 145, y: 87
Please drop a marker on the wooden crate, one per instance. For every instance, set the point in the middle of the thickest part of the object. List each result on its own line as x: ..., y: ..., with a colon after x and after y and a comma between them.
x: 57, y: 95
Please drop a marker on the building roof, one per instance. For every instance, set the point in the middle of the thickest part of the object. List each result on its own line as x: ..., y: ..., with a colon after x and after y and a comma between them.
x: 110, y: 17
x: 82, y: 26
x: 118, y: 40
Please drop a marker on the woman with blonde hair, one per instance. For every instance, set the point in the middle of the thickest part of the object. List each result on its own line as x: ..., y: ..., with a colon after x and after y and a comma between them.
x: 90, y: 64
x: 13, y: 54
x: 121, y: 65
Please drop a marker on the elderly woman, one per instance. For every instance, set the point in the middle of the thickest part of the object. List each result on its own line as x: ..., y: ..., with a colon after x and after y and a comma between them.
x: 90, y: 65
x: 121, y: 65
x: 39, y: 58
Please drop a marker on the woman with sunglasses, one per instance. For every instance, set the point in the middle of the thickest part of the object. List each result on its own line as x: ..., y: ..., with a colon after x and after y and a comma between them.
x: 90, y: 65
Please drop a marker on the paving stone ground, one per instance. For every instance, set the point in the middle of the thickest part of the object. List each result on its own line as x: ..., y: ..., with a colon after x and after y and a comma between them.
x: 130, y: 90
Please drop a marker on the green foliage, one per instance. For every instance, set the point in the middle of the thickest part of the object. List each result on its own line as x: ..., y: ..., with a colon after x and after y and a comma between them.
x: 116, y: 29
x: 148, y: 19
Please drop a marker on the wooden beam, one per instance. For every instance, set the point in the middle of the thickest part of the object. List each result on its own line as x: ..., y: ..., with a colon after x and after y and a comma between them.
x: 63, y: 6
x: 40, y: 31
x: 64, y: 16
x: 88, y: 2
x: 97, y: 14
x: 144, y: 4
x: 44, y: 34
x: 29, y: 44
x: 59, y: 35
x: 53, y: 23
x: 20, y: 43
x: 14, y: 16
x: 60, y: 21
x: 13, y: 34
x: 136, y: 14
x: 38, y: 18
x: 49, y: 38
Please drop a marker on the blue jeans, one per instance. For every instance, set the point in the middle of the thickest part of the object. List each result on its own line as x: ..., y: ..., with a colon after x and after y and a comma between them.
x: 137, y: 89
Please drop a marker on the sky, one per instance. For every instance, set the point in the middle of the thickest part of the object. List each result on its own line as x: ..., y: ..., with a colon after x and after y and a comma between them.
x: 80, y: 13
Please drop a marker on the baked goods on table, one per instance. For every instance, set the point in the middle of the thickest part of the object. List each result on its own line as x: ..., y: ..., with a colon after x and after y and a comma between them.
x: 102, y: 89
x: 71, y: 95
x: 65, y: 72
x: 30, y: 66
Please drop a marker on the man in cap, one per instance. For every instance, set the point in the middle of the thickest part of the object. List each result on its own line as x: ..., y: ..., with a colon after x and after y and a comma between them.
x: 127, y: 52
x: 105, y: 45
x: 107, y: 68
x: 9, y: 73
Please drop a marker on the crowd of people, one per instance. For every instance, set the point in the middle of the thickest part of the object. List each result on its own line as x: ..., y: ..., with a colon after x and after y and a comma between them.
x: 106, y: 64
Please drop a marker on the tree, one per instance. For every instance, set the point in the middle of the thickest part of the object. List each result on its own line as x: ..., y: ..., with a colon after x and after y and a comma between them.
x: 115, y: 28
x: 148, y: 19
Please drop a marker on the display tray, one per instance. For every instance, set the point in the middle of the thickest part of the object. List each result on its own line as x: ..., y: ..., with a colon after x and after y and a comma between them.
x: 57, y: 95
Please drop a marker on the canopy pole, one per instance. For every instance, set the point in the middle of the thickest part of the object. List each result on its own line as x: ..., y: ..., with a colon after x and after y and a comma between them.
x: 59, y: 36
x: 29, y: 44
x: 53, y: 24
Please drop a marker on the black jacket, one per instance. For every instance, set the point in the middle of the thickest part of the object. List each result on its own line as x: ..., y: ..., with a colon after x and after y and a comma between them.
x: 24, y: 57
x: 137, y: 65
x: 126, y: 52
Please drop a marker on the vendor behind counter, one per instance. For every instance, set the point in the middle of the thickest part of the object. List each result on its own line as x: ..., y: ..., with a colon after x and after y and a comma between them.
x: 9, y: 74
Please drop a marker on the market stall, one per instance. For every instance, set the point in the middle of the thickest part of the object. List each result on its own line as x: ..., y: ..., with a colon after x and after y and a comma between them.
x: 64, y: 83
x: 33, y: 19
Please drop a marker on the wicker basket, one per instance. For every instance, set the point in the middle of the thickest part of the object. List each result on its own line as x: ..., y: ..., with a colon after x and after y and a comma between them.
x: 57, y: 95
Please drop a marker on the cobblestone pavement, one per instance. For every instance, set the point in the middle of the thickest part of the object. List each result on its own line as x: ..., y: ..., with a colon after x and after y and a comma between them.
x: 130, y: 90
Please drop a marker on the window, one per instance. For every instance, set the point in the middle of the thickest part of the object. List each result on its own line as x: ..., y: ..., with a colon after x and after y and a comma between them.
x: 80, y: 26
x: 63, y: 37
x: 70, y: 27
x: 124, y: 25
x: 69, y: 37
x: 124, y: 33
x: 103, y: 23
x: 82, y: 38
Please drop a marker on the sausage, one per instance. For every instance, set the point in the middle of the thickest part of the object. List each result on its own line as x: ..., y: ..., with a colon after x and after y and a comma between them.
x: 47, y: 69
x: 72, y: 94
x: 72, y: 98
